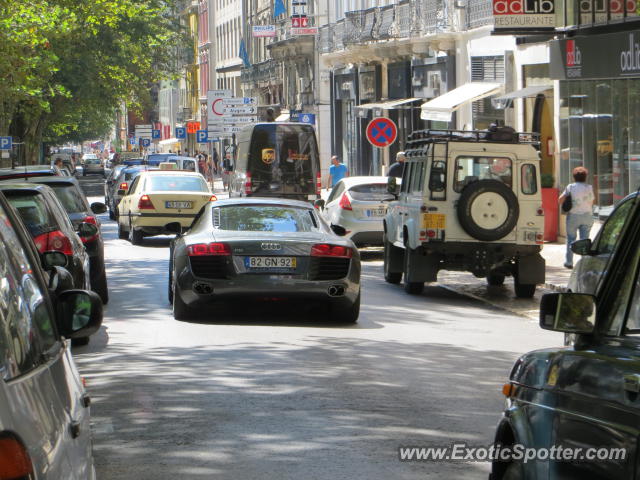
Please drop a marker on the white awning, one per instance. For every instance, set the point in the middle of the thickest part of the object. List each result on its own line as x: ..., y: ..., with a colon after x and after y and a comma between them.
x: 283, y: 117
x: 525, y: 92
x: 390, y: 105
x: 441, y: 108
x: 169, y: 141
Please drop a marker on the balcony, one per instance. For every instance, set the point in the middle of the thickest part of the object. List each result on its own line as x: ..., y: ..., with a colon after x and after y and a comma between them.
x: 262, y: 72
x: 479, y: 13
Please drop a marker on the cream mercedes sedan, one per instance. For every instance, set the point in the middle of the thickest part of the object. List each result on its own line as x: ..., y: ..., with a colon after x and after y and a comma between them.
x: 157, y: 198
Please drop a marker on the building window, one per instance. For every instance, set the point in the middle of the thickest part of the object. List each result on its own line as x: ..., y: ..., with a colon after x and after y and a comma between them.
x: 487, y: 69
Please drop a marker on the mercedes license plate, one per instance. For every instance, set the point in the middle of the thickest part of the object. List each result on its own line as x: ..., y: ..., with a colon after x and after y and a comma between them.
x: 376, y: 212
x: 178, y: 204
x: 269, y: 262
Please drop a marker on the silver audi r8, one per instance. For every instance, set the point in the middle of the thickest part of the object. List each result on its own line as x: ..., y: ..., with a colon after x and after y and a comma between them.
x: 257, y: 248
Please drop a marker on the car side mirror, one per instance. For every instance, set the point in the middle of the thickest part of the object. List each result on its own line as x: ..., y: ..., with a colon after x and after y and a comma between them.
x: 338, y: 230
x: 52, y: 259
x: 122, y: 192
x: 59, y: 279
x: 87, y: 230
x: 98, y: 207
x: 568, y: 312
x: 319, y: 204
x: 173, y: 227
x: 78, y: 313
x: 582, y: 247
x: 392, y: 186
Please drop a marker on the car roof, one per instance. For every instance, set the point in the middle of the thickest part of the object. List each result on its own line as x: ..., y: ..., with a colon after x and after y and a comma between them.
x: 27, y: 168
x: 53, y: 179
x: 364, y: 180
x: 173, y: 173
x: 262, y: 200
x: 23, y: 186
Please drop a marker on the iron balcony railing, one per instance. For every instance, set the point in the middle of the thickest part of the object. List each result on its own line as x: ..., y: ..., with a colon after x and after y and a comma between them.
x: 479, y: 13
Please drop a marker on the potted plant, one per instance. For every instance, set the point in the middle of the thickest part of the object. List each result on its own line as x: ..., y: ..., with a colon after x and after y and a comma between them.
x: 550, y: 196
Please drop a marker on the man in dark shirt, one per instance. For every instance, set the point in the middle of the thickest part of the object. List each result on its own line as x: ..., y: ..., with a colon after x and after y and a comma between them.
x: 397, y: 168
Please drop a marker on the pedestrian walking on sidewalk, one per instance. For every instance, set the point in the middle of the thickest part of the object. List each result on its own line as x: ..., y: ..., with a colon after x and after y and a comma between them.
x: 580, y: 217
x: 397, y: 169
x: 337, y: 171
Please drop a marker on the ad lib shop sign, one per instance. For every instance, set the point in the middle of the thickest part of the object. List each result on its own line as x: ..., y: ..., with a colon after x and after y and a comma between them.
x: 524, y: 16
x: 615, y: 55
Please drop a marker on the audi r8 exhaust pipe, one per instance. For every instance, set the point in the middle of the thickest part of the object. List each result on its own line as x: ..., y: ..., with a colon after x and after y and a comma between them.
x: 202, y: 288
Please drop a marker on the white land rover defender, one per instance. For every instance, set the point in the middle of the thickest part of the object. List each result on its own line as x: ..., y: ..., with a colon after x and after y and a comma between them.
x: 469, y: 201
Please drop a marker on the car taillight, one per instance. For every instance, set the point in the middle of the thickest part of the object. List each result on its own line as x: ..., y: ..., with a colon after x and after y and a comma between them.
x: 208, y: 249
x: 344, y: 203
x: 123, y: 186
x: 318, y: 183
x: 56, y: 240
x: 213, y: 198
x: 327, y: 250
x: 248, y: 186
x: 14, y: 459
x: 145, y: 203
x: 540, y: 211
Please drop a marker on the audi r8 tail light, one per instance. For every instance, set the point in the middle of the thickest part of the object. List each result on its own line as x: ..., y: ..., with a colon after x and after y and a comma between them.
x: 208, y: 249
x: 327, y: 250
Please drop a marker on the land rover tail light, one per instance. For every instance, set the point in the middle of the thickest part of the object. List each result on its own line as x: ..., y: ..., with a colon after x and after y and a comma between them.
x: 318, y: 183
x: 540, y: 212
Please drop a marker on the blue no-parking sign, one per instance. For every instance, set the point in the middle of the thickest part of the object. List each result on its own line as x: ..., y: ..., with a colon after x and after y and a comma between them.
x: 202, y: 136
x: 6, y: 143
x: 181, y: 132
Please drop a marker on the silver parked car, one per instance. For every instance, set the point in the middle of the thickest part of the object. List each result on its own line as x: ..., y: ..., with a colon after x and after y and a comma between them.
x: 92, y: 164
x: 254, y: 248
x: 44, y: 412
x: 358, y: 204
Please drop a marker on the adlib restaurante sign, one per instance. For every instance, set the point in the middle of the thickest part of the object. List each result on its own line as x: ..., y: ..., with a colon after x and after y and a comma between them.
x: 614, y: 55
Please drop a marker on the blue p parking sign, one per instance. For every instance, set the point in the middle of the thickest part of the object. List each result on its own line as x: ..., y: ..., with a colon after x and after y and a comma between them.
x: 6, y: 143
x: 202, y: 136
x: 181, y: 132
x: 145, y: 142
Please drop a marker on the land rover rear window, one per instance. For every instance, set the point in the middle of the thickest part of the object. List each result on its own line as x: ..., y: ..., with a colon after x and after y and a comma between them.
x: 471, y: 169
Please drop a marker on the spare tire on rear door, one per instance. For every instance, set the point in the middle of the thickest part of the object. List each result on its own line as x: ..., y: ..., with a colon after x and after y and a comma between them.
x: 488, y: 210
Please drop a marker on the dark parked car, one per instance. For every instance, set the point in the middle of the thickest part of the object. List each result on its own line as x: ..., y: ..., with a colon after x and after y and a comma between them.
x: 109, y: 187
x: 243, y: 249
x: 22, y: 172
x: 50, y: 227
x: 74, y: 201
x: 44, y: 413
x: 586, y: 395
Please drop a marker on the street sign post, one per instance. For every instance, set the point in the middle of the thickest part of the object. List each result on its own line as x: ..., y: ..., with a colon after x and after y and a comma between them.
x: 144, y: 131
x: 145, y: 142
x: 132, y: 140
x: 309, y: 118
x: 239, y: 119
x: 201, y: 136
x: 181, y: 133
x: 155, y: 134
x: 240, y: 101
x: 382, y: 132
x: 6, y: 143
x: 241, y: 110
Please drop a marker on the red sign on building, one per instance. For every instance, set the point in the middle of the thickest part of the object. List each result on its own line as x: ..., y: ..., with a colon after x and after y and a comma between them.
x: 193, y: 127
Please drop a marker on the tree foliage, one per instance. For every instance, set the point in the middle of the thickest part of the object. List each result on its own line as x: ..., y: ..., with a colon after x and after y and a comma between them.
x: 67, y: 65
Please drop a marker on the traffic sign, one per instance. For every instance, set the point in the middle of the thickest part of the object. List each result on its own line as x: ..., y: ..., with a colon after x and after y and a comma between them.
x: 132, y: 140
x: 241, y: 110
x: 6, y: 143
x: 181, y: 133
x: 232, y: 129
x: 155, y: 134
x: 145, y: 142
x: 239, y: 119
x: 382, y: 132
x: 309, y: 118
x: 201, y: 136
x: 239, y: 101
x: 193, y: 127
x: 214, y: 102
x: 144, y: 131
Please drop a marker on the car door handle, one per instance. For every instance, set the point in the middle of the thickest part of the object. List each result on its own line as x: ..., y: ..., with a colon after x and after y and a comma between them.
x: 632, y: 383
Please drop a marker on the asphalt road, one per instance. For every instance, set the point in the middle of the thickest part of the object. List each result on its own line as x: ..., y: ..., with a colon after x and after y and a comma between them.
x: 280, y: 394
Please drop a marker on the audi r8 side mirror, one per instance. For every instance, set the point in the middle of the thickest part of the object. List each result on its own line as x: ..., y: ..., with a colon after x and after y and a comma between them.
x: 338, y: 230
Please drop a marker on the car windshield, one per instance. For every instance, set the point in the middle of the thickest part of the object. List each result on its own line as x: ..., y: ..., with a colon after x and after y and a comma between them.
x: 371, y: 192
x: 33, y: 211
x: 70, y: 198
x: 92, y: 161
x: 471, y: 169
x: 177, y: 184
x: 264, y: 218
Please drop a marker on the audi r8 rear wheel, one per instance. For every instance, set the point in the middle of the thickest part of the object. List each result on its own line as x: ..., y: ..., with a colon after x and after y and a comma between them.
x: 181, y: 311
x: 349, y: 314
